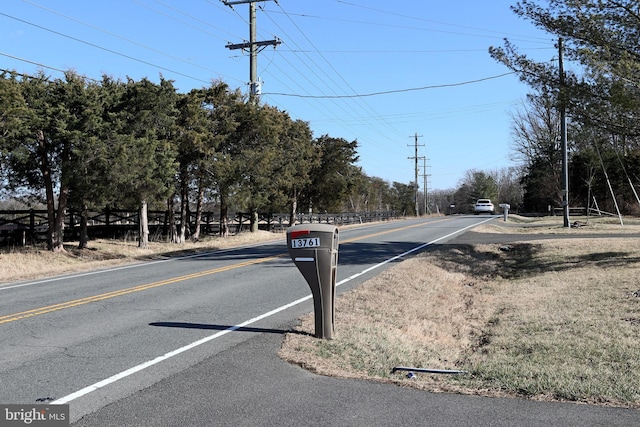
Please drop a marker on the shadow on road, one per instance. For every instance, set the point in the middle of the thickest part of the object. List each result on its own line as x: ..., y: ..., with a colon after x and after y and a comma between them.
x: 225, y: 327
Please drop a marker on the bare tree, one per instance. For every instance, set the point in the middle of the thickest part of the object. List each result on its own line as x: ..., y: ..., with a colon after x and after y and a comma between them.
x: 536, y: 146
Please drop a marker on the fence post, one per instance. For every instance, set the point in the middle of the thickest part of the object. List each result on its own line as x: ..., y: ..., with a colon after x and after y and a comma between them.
x: 32, y: 225
x: 239, y: 226
x: 107, y: 221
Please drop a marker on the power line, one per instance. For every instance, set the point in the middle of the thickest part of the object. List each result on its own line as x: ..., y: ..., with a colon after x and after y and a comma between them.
x: 393, y: 91
x: 366, y: 105
x: 499, y: 35
x: 104, y: 48
x: 28, y: 62
x: 102, y: 30
x: 397, y: 51
x: 413, y: 17
x: 352, y: 112
x: 195, y: 18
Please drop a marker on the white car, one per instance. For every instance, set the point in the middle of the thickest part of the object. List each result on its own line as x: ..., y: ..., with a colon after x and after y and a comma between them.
x: 484, y: 206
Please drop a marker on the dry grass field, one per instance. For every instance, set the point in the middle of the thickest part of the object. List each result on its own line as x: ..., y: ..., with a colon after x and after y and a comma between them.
x: 551, y: 319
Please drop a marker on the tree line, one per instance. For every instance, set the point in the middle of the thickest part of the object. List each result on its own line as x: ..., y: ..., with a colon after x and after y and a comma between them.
x: 75, y: 143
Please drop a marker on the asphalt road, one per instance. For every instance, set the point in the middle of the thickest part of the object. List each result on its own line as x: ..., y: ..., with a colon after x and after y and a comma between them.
x: 193, y: 341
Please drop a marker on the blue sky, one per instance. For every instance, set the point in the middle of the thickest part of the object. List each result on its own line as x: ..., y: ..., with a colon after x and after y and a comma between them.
x: 375, y: 71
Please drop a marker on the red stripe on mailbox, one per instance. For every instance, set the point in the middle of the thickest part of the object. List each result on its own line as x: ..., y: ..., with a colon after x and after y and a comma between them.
x: 298, y: 233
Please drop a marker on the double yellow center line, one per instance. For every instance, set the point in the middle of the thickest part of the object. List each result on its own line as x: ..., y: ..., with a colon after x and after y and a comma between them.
x: 94, y: 298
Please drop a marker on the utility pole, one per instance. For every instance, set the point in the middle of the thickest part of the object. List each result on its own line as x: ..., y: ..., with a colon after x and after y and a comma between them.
x: 416, y: 158
x: 253, y: 46
x: 563, y: 137
x: 425, y: 176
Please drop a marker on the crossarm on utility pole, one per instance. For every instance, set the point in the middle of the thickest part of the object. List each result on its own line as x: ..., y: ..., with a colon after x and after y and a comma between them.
x: 233, y: 3
x: 246, y: 45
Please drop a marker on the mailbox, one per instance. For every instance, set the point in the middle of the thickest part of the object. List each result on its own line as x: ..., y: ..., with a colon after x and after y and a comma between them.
x: 505, y: 210
x: 314, y: 250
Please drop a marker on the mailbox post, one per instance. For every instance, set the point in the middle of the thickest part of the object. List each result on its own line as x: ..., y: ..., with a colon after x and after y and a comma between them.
x: 314, y: 250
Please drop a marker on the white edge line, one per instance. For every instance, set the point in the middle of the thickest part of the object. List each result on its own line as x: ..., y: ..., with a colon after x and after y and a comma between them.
x: 169, y: 355
x: 142, y: 366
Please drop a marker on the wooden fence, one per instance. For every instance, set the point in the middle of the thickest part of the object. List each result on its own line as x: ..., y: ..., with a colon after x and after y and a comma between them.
x: 21, y: 227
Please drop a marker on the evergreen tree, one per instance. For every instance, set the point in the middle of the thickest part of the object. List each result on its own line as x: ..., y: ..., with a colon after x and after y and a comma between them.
x: 334, y: 176
x: 221, y: 161
x: 40, y: 142
x: 278, y: 157
x: 404, y: 198
x: 88, y: 167
x: 143, y: 158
